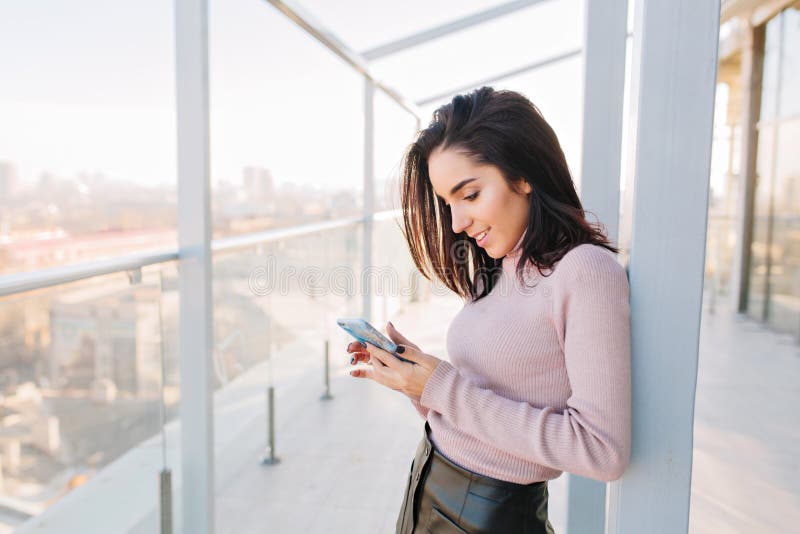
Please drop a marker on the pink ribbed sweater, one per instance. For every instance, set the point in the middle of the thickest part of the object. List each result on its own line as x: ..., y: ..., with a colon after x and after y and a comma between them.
x: 539, y: 379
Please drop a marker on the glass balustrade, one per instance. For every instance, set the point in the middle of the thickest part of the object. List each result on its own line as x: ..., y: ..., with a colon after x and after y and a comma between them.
x: 81, y: 372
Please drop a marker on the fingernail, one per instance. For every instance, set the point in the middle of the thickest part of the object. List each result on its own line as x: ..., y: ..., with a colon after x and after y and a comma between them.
x: 390, y: 324
x: 352, y: 361
x: 400, y: 349
x: 352, y: 373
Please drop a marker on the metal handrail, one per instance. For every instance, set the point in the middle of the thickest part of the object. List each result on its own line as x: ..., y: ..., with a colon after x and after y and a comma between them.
x: 19, y: 283
x: 229, y: 244
x: 13, y: 284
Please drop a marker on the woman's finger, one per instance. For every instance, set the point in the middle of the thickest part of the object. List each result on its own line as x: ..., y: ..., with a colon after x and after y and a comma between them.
x: 363, y: 373
x: 354, y: 346
x: 357, y: 357
x: 397, y: 337
x: 381, y: 356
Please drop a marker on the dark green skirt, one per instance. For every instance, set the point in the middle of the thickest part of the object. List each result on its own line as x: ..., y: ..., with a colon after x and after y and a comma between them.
x: 443, y: 497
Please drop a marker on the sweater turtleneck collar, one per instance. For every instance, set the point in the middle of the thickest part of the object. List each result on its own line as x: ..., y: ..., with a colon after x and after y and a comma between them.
x: 511, y: 259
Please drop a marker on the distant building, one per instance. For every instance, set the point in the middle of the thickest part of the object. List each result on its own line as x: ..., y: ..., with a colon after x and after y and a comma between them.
x: 756, y: 226
x: 256, y: 198
x: 103, y: 334
x: 8, y: 181
x: 258, y: 184
x: 45, y: 249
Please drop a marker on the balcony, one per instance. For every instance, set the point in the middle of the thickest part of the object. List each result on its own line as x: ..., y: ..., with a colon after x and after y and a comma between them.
x: 201, y: 386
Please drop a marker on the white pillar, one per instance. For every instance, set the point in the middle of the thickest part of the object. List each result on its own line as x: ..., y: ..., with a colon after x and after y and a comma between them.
x: 369, y: 194
x: 605, y: 34
x: 194, y: 238
x: 674, y: 67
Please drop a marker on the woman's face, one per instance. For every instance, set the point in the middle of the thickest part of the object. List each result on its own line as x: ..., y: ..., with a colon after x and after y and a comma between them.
x: 481, y: 201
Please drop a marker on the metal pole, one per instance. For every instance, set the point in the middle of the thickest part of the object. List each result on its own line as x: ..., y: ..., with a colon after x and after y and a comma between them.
x: 165, y: 501
x: 194, y: 240
x: 269, y: 456
x: 327, y: 395
x: 603, y: 86
x: 752, y: 69
x: 369, y: 195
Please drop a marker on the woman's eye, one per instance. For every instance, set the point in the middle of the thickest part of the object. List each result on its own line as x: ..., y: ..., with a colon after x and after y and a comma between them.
x: 473, y: 196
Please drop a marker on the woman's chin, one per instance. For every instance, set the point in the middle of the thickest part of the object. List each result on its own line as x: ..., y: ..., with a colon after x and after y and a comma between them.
x: 492, y: 254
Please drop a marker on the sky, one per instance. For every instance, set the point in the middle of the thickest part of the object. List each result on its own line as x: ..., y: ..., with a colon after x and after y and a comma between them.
x: 88, y: 85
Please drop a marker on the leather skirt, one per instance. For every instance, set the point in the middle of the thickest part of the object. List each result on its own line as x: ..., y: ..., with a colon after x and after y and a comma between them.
x: 443, y: 497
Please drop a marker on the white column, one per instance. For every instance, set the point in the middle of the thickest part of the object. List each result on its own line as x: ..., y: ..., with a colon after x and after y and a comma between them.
x: 605, y: 33
x: 369, y: 194
x: 603, y: 87
x: 194, y: 237
x: 674, y: 62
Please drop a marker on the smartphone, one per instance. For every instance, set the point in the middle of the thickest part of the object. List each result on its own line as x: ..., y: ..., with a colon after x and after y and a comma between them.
x: 365, y: 332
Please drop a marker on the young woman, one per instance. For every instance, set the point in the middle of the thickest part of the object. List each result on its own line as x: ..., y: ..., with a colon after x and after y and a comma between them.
x: 538, y: 380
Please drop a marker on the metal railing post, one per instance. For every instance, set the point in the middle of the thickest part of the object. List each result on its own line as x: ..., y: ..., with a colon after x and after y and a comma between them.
x: 269, y: 456
x: 165, y: 501
x: 327, y: 395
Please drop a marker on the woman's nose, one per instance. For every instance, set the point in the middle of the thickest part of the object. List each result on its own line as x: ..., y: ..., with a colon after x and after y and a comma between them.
x: 460, y: 221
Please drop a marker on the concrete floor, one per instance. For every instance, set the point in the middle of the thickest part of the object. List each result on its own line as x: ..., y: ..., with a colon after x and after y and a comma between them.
x: 746, y: 466
x: 344, y: 461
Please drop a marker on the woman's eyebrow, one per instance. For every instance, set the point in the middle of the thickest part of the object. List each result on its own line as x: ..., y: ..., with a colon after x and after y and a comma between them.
x: 458, y: 186
x: 461, y: 184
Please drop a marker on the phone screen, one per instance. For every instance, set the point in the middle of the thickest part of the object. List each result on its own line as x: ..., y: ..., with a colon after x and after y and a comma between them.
x: 365, y: 332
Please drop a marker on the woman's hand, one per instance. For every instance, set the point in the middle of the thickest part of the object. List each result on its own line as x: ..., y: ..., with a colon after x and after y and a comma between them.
x: 388, y: 370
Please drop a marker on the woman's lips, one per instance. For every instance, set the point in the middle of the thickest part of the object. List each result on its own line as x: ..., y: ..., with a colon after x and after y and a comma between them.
x: 482, y: 242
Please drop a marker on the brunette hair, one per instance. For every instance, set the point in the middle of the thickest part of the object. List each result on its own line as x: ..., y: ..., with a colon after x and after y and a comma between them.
x: 504, y: 129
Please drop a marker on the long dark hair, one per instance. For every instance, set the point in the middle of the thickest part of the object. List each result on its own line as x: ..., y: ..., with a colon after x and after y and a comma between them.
x: 504, y: 129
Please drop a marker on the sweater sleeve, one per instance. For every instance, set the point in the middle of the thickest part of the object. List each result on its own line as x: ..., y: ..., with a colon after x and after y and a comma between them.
x: 591, y: 436
x: 421, y: 410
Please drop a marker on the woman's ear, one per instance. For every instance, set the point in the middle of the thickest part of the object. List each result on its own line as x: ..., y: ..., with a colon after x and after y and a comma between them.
x: 525, y: 186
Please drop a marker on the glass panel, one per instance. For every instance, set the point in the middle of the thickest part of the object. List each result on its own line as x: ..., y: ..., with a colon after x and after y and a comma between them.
x: 720, y: 236
x: 287, y: 129
x: 399, y: 282
x: 284, y: 329
x: 87, y: 136
x: 761, y: 217
x: 279, y: 294
x: 274, y: 310
x: 784, y: 282
x: 790, y: 70
x: 394, y: 131
x: 81, y: 374
x: 465, y: 57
